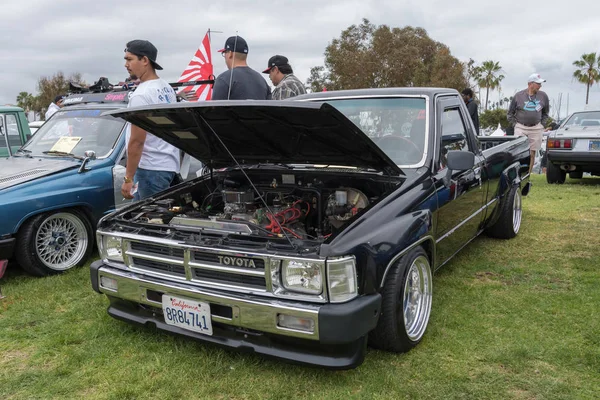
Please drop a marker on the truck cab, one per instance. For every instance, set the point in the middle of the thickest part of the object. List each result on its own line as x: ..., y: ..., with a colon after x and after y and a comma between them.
x: 14, y: 130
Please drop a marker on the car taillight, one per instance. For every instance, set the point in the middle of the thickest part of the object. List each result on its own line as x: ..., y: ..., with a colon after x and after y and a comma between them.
x: 560, y: 144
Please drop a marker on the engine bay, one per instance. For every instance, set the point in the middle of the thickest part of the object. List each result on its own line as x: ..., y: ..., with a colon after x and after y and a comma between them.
x: 282, y: 205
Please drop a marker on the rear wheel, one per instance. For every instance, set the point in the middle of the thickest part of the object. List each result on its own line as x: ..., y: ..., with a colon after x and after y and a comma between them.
x: 54, y: 242
x: 406, y: 304
x: 509, y: 222
x: 554, y: 174
x: 576, y: 174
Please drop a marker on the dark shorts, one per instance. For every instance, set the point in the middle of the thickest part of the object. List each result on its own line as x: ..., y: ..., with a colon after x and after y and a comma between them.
x: 151, y: 182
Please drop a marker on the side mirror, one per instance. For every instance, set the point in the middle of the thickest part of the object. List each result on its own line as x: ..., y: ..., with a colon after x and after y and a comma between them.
x: 89, y: 156
x: 460, y: 160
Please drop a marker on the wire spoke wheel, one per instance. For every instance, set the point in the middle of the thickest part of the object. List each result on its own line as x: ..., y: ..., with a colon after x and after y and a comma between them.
x: 61, y: 241
x: 517, y: 212
x: 417, y: 296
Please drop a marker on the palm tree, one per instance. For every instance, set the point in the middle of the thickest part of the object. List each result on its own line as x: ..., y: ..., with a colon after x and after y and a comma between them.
x: 588, y: 71
x: 489, y: 77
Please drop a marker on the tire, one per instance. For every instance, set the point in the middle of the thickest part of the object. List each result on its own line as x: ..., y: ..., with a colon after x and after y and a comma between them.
x: 406, y: 304
x: 554, y: 174
x: 511, y: 212
x: 576, y: 174
x: 54, y: 242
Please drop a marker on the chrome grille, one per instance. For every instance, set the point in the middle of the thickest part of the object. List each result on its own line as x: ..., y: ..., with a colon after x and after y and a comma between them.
x: 222, y: 277
x: 198, y: 266
x: 159, y: 266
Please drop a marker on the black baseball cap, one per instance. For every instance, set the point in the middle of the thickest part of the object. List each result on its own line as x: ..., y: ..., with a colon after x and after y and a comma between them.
x: 236, y: 44
x: 59, y: 98
x: 276, y: 61
x: 143, y: 48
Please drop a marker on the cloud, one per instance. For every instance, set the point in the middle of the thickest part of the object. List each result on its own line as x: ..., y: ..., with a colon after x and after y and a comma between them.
x: 42, y: 37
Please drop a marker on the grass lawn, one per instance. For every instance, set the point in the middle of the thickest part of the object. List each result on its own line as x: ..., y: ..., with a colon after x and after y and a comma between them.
x: 517, y: 319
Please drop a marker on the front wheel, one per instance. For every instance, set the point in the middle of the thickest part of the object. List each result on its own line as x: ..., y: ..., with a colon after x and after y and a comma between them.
x: 406, y: 304
x: 54, y: 242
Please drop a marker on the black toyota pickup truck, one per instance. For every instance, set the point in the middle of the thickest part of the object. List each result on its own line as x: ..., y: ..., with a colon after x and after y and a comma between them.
x: 318, y: 225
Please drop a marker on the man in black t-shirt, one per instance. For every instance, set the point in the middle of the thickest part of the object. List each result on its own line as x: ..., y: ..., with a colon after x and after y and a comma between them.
x: 467, y: 96
x: 239, y: 82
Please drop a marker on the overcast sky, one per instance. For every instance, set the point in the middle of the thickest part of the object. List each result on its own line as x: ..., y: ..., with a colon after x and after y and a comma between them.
x: 41, y: 37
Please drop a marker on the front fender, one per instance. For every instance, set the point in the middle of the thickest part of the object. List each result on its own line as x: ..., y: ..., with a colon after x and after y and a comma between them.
x: 375, y: 244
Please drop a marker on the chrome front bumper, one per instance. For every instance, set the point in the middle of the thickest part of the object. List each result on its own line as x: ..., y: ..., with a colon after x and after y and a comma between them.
x: 249, y: 321
x: 250, y: 312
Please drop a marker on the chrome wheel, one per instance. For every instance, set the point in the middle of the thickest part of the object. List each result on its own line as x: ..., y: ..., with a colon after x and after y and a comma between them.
x: 61, y: 241
x: 417, y: 298
x: 517, y: 211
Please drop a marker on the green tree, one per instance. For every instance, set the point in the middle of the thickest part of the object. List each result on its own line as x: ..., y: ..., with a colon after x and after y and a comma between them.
x: 490, y: 77
x: 587, y: 72
x: 369, y: 56
x: 473, y: 75
x: 26, y: 101
x: 491, y: 119
x: 51, y: 86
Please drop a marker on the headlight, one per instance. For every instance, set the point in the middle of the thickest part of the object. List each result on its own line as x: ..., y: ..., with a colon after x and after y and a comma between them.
x: 302, y: 276
x: 341, y: 279
x: 112, y: 248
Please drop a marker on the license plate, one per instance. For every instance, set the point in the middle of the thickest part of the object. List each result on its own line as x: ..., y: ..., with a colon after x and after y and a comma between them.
x: 594, y: 145
x: 187, y: 314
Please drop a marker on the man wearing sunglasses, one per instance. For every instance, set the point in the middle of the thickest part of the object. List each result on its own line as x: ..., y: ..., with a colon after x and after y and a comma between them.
x: 239, y: 82
x: 528, y: 112
x: 281, y: 74
x: 152, y: 163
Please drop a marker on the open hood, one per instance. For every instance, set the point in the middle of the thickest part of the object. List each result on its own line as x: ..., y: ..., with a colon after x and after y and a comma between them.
x: 261, y: 132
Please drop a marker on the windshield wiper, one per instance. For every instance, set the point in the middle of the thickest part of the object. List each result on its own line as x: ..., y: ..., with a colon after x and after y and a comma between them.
x: 61, y: 153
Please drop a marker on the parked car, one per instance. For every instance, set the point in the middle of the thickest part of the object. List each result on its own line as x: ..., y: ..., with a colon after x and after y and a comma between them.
x: 318, y: 226
x: 58, y: 185
x: 574, y: 148
x: 14, y: 130
x: 35, y: 125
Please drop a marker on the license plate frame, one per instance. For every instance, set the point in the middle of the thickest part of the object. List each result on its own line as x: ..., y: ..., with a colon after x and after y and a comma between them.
x: 188, y: 314
x: 594, y: 145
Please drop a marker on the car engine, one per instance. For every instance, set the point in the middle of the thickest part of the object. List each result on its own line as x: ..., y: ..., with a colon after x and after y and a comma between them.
x: 277, y: 211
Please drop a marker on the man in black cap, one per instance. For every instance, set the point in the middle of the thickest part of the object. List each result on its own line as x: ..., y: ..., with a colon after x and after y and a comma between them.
x: 239, y: 82
x: 281, y: 74
x: 152, y: 163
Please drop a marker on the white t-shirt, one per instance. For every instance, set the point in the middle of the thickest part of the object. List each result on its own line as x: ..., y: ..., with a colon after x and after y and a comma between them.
x: 157, y: 155
x: 52, y: 108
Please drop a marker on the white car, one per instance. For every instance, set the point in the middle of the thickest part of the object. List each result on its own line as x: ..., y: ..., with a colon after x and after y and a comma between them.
x: 35, y: 125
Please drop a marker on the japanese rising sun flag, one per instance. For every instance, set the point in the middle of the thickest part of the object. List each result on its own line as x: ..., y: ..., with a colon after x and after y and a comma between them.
x: 200, y: 68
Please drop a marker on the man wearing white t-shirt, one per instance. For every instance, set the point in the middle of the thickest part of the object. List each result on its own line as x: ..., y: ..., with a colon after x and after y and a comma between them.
x: 152, y: 163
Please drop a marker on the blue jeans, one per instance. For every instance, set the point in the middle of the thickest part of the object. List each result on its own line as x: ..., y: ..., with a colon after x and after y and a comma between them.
x: 151, y: 182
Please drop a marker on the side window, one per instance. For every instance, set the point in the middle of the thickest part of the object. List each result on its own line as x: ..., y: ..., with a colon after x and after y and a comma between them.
x: 454, y: 136
x: 12, y: 129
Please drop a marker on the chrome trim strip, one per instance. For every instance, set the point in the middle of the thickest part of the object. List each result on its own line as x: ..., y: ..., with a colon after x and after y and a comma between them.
x: 166, y: 260
x: 247, y: 312
x: 406, y: 250
x: 451, y: 231
x: 249, y: 272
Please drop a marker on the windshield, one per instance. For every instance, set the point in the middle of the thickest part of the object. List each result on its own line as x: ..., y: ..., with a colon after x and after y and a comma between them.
x: 76, y: 131
x: 591, y: 118
x: 396, y: 125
